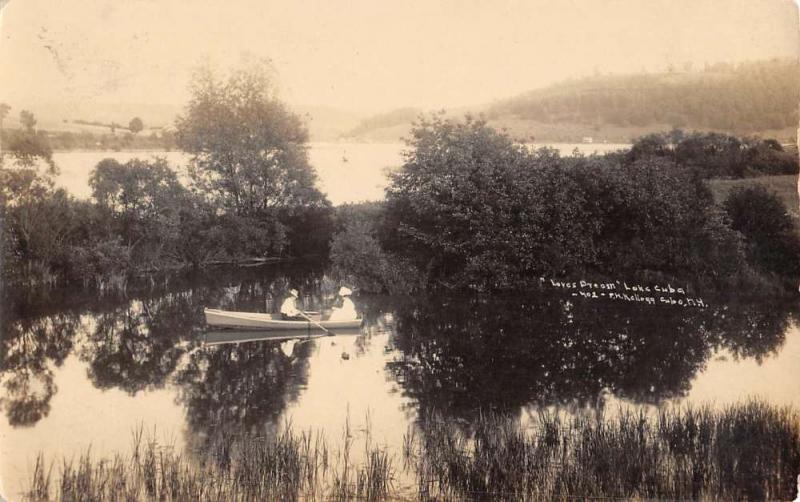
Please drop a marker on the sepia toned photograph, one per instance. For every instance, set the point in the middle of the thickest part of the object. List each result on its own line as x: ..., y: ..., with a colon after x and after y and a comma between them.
x: 360, y: 250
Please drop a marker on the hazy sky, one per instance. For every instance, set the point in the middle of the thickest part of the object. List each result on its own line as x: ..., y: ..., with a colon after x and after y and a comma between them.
x: 370, y: 55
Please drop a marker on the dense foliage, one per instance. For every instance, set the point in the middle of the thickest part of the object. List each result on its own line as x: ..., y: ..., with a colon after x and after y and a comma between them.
x: 472, y: 208
x: 357, y: 255
x: 250, y: 159
x: 770, y: 236
x: 251, y: 196
x: 28, y: 145
x: 744, y: 98
x: 717, y: 155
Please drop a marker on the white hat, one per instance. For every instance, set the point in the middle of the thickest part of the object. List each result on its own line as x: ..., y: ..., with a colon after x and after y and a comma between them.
x: 294, y: 292
x: 344, y: 291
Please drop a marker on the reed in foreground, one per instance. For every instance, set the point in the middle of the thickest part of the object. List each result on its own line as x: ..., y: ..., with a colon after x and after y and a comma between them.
x: 279, y: 466
x: 748, y: 451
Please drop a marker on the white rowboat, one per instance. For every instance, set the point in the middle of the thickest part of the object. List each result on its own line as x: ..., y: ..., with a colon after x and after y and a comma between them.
x: 252, y: 320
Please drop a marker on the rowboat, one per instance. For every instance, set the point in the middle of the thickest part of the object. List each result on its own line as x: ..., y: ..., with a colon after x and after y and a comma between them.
x: 253, y: 320
x: 226, y: 336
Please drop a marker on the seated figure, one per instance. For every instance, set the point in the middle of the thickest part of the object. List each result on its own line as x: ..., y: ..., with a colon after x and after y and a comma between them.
x: 289, y: 310
x: 347, y: 312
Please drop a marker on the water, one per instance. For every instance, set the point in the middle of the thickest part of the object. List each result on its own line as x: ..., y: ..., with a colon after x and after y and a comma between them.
x: 348, y: 172
x: 80, y: 369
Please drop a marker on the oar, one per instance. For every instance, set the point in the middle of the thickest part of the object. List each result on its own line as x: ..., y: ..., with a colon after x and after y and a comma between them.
x: 312, y: 321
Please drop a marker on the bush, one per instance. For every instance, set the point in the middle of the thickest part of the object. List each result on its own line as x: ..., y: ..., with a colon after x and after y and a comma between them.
x: 357, y: 256
x: 761, y: 218
x: 716, y: 155
x: 472, y: 208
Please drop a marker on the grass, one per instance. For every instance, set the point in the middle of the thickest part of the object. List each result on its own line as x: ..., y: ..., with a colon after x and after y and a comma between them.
x: 747, y: 451
x: 784, y: 186
x: 283, y: 466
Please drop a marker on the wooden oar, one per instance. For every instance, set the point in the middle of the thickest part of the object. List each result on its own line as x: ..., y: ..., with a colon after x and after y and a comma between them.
x: 312, y: 321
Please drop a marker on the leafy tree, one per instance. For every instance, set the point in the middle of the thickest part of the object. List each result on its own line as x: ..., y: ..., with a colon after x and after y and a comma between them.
x: 769, y: 232
x: 136, y: 125
x: 144, y: 199
x: 28, y: 146
x: 137, y: 188
x: 27, y: 120
x: 40, y: 225
x: 716, y: 155
x: 249, y: 153
x: 472, y: 208
x: 4, y: 109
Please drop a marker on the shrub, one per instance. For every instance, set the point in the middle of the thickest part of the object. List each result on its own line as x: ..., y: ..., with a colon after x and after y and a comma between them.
x: 762, y: 219
x: 472, y: 208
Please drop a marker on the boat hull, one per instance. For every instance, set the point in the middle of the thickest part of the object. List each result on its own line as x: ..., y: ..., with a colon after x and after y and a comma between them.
x: 251, y: 320
x: 232, y: 335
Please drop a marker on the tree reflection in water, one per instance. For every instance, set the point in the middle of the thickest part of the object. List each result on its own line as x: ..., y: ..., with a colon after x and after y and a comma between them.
x: 138, y: 346
x: 240, y: 387
x: 466, y: 354
x: 29, y: 348
x: 459, y: 354
x: 140, y: 342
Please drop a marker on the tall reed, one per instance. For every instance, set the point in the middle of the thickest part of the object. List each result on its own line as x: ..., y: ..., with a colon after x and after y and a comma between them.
x: 278, y: 466
x: 748, y: 451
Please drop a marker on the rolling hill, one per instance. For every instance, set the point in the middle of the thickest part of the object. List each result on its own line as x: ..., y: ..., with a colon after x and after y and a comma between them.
x: 757, y: 98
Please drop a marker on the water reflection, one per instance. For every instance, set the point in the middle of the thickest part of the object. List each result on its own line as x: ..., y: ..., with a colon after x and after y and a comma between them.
x: 458, y: 355
x: 464, y: 355
x: 136, y: 346
x: 246, y: 384
x: 30, y: 348
x: 131, y: 341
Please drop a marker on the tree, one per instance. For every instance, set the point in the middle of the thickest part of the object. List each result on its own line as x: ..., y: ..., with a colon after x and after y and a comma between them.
x: 769, y: 232
x: 145, y: 199
x: 136, y: 125
x: 30, y: 146
x: 471, y: 208
x: 27, y: 120
x: 4, y: 109
x: 249, y: 152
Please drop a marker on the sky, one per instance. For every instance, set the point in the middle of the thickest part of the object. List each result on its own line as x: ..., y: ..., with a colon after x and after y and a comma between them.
x: 370, y: 55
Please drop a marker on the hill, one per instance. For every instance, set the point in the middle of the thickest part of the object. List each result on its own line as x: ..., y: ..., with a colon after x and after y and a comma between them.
x: 758, y: 98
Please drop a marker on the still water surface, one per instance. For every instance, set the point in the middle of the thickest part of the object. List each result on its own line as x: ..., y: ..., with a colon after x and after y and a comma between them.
x: 348, y: 172
x: 80, y: 369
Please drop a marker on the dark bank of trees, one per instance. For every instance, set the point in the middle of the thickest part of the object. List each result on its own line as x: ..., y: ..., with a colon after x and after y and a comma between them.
x: 717, y: 155
x: 740, y: 98
x: 251, y: 196
x: 471, y: 208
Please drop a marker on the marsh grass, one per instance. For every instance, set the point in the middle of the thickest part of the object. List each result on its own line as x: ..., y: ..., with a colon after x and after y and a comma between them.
x: 279, y: 466
x: 749, y: 451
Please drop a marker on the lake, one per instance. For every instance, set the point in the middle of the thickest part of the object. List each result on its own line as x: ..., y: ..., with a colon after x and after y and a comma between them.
x: 348, y: 172
x: 82, y: 369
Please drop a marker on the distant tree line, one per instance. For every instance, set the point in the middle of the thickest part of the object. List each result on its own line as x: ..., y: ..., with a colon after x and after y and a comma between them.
x: 86, y: 140
x: 400, y: 116
x: 717, y: 155
x: 742, y: 98
x: 19, y: 141
x: 471, y: 208
x: 251, y: 196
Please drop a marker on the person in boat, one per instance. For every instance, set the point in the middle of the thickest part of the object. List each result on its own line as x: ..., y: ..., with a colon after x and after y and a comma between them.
x: 289, y: 310
x: 347, y: 312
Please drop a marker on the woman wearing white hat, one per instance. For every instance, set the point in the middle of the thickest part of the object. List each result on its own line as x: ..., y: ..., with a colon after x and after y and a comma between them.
x: 347, y: 311
x: 289, y: 310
